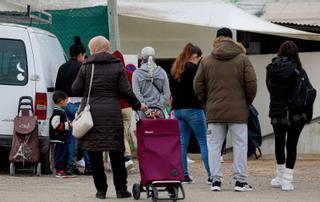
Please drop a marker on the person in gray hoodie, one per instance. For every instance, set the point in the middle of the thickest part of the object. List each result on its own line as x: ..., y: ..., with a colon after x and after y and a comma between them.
x: 150, y: 83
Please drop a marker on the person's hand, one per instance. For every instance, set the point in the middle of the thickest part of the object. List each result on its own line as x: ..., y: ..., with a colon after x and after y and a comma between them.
x: 143, y: 107
x: 151, y: 115
x: 154, y: 114
x: 157, y: 113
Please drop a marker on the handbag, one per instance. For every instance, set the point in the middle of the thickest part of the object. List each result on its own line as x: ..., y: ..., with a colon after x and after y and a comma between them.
x: 83, y: 121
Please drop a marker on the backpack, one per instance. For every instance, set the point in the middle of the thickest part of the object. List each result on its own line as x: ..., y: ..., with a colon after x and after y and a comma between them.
x: 254, y: 133
x: 304, y: 94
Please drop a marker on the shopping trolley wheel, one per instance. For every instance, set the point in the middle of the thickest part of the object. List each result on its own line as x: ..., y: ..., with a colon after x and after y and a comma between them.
x: 39, y: 169
x: 174, y: 193
x: 155, y: 194
x: 12, y: 169
x: 34, y: 169
x: 136, y: 191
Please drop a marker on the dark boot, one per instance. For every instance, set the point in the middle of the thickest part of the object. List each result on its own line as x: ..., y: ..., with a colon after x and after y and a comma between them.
x: 123, y: 194
x: 101, y: 194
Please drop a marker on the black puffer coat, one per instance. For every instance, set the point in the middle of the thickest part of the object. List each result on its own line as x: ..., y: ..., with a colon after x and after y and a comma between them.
x: 66, y: 75
x: 281, y: 78
x: 109, y: 82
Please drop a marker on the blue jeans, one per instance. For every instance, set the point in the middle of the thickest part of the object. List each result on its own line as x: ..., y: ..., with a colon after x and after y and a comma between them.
x: 193, y: 119
x: 71, y: 111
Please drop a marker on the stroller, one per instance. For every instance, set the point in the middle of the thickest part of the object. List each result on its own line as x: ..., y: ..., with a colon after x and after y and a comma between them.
x: 160, y: 162
x: 25, y: 149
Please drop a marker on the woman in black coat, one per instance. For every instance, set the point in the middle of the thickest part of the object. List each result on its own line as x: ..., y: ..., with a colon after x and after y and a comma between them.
x: 109, y: 83
x: 287, y: 120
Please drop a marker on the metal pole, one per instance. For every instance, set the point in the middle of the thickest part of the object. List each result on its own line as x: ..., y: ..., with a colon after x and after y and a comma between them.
x: 114, y: 35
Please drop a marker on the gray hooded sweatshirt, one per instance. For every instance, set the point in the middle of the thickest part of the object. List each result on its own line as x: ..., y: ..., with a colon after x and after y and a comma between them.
x: 146, y: 92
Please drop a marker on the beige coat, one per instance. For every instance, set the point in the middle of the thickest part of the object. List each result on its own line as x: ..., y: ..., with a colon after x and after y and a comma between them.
x: 226, y: 82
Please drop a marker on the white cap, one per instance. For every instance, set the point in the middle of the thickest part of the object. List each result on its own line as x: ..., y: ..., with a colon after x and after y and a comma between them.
x: 147, y: 51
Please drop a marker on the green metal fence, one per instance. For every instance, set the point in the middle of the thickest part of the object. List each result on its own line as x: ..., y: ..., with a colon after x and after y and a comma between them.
x: 83, y: 22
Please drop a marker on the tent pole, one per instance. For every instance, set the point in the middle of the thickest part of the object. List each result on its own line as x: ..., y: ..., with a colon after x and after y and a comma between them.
x: 114, y: 35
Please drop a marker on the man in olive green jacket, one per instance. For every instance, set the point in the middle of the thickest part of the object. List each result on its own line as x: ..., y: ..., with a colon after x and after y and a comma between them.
x: 226, y: 83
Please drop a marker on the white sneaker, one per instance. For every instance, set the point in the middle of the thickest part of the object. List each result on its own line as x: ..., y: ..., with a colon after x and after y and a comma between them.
x: 221, y: 159
x: 277, y: 181
x: 190, y: 161
x: 129, y: 164
x: 80, y: 163
x: 287, y: 180
x: 287, y: 186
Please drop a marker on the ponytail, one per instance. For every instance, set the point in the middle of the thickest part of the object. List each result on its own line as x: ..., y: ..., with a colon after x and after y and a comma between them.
x: 179, y: 64
x: 77, y: 47
x: 151, y: 66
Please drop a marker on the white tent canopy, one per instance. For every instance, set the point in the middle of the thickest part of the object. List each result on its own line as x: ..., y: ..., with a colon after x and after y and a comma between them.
x: 206, y: 13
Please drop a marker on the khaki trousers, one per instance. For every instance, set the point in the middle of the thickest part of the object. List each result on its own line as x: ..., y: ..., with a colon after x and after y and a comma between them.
x: 127, y: 115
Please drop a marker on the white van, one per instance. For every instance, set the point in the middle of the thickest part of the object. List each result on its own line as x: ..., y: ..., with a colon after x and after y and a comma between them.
x: 29, y: 61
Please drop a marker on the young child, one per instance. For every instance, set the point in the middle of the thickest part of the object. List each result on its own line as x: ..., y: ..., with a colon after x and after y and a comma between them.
x: 59, y: 127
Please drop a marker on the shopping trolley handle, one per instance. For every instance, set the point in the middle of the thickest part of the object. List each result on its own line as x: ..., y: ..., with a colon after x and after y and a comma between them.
x: 141, y: 115
x: 25, y: 101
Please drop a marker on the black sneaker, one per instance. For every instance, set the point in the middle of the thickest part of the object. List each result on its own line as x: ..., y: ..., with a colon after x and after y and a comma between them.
x: 216, y: 186
x: 123, y: 194
x: 87, y: 170
x: 187, y: 180
x: 209, y: 181
x: 242, y: 187
x: 73, y: 170
x: 101, y: 194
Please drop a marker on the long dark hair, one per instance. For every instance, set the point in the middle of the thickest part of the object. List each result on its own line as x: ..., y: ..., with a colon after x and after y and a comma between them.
x: 180, y: 63
x: 77, y: 47
x: 290, y: 49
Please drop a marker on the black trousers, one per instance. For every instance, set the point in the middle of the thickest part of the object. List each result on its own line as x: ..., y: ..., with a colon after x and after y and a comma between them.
x: 287, y: 136
x: 61, y: 156
x: 118, y: 169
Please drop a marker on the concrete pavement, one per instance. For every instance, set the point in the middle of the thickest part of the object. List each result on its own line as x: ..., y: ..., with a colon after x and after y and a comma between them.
x: 24, y: 188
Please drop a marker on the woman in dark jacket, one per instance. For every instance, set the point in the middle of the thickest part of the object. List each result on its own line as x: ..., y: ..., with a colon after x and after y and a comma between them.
x: 287, y: 120
x: 187, y: 108
x: 109, y: 83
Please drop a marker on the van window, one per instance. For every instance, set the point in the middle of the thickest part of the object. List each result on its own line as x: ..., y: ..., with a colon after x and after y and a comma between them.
x: 13, y: 63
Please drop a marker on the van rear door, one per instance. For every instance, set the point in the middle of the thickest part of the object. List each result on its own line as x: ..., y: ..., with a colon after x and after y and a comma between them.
x: 16, y: 73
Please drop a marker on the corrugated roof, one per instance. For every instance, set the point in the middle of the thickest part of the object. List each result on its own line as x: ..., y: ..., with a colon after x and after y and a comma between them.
x: 300, y: 12
x: 302, y: 27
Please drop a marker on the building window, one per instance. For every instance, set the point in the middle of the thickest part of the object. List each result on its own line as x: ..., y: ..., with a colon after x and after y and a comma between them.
x: 256, y: 43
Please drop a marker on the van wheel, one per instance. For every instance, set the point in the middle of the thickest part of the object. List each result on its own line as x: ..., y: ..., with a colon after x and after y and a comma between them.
x: 12, y: 169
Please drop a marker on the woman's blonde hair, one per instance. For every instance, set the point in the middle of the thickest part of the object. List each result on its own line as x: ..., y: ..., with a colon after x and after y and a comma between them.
x: 179, y: 64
